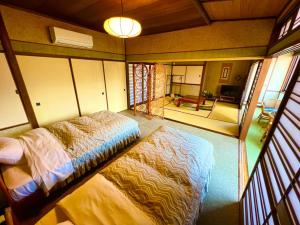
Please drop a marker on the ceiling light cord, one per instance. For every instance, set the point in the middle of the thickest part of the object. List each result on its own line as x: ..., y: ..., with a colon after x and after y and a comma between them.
x: 122, y: 8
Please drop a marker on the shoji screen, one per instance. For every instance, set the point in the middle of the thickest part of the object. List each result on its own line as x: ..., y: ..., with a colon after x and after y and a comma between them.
x: 115, y: 76
x: 246, y: 104
x: 193, y: 74
x: 50, y: 87
x: 179, y: 74
x: 141, y: 80
x: 11, y: 109
x: 272, y: 195
x: 89, y: 80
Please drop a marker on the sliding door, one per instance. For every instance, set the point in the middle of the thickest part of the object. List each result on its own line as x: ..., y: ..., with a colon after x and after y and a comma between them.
x: 90, y: 85
x: 272, y: 195
x: 115, y: 76
x: 178, y: 74
x: 11, y: 109
x: 50, y: 87
x: 193, y: 74
x: 249, y: 90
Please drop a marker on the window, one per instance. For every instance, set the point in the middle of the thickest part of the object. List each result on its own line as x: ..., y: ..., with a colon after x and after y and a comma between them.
x: 297, y: 20
x: 285, y: 28
x: 290, y: 72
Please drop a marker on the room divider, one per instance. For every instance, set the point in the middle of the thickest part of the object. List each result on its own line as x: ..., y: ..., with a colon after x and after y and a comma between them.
x: 148, y: 88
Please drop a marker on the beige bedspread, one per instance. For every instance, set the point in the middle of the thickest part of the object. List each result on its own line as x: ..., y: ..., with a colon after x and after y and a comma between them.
x: 90, y: 140
x: 162, y: 180
x: 166, y: 175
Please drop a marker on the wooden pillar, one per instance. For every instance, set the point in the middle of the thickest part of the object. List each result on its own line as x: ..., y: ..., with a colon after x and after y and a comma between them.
x: 149, y: 88
x: 253, y: 104
x: 171, y: 79
x: 16, y: 73
x: 134, y: 87
x: 201, y: 84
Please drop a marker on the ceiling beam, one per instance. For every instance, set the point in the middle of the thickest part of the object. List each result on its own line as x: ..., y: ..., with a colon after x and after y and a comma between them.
x: 202, y: 11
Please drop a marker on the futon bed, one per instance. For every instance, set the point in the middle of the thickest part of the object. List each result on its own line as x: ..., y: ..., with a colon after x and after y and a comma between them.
x: 161, y: 180
x: 59, y: 153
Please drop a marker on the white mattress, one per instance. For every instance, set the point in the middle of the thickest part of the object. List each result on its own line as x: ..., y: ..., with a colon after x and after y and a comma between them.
x: 18, y: 180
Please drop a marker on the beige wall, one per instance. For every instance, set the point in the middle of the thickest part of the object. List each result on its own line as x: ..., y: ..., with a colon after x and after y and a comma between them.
x: 247, y: 38
x: 50, y: 88
x: 213, y: 70
x: 11, y: 107
x: 30, y: 33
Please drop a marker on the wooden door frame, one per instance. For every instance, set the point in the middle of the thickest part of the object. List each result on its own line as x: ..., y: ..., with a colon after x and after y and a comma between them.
x: 253, y: 103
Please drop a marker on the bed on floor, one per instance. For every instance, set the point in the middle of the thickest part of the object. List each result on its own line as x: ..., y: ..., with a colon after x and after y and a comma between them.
x: 161, y: 180
x: 45, y: 159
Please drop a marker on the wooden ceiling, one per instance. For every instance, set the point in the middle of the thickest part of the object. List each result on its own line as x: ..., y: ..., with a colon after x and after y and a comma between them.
x: 156, y: 16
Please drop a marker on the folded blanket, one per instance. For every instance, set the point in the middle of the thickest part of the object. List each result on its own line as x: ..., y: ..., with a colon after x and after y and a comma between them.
x: 98, y: 201
x: 48, y: 161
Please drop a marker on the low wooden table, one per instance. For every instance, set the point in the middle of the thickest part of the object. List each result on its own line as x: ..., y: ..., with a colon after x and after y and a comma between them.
x: 198, y: 100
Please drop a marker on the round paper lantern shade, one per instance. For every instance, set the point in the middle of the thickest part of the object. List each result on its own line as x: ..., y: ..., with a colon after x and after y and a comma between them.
x: 122, y: 27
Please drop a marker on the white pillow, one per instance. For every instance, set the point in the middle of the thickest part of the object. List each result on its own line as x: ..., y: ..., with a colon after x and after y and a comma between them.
x: 11, y: 151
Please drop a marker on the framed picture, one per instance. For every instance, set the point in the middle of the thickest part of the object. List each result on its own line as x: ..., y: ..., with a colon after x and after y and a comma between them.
x: 225, y: 72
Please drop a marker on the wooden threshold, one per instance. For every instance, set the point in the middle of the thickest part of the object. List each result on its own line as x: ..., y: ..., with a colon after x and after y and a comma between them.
x: 243, y: 172
x: 204, y: 128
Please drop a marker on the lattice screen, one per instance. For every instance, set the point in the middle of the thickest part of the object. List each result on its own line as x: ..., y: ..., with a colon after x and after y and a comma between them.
x: 147, y: 84
x: 272, y: 195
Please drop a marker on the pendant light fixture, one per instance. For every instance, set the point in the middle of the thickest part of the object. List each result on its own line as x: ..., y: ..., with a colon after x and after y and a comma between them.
x: 122, y: 27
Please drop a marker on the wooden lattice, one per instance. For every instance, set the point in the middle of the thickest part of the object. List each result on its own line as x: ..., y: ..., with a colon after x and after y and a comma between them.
x: 149, y: 84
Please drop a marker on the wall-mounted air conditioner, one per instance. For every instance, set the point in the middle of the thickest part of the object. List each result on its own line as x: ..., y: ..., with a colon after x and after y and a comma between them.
x: 70, y: 38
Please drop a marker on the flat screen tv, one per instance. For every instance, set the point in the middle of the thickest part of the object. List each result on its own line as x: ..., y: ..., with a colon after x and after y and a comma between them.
x: 231, y: 91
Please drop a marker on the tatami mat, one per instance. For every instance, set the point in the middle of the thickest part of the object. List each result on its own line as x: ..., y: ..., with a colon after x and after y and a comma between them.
x: 223, y: 111
x: 231, y: 129
x: 221, y: 204
x: 223, y: 119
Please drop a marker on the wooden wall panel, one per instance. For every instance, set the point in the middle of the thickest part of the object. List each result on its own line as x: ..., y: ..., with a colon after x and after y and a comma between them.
x: 224, y: 40
x: 115, y: 76
x: 38, y: 32
x: 50, y: 87
x: 11, y: 110
x: 34, y: 36
x: 90, y: 85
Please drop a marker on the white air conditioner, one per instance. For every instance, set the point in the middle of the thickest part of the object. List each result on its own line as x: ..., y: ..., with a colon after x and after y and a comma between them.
x: 70, y: 38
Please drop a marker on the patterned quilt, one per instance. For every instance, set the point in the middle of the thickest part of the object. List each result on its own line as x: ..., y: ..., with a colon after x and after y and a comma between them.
x: 90, y: 140
x: 166, y: 175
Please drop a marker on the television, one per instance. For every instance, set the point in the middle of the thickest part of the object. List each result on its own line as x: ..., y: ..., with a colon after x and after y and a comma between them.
x: 230, y: 91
